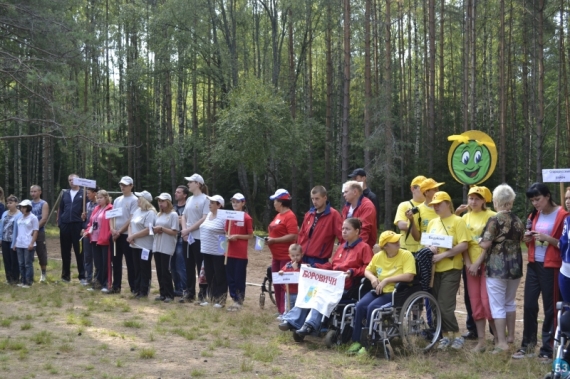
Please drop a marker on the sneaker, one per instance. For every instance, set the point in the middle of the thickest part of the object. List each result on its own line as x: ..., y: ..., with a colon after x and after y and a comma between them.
x: 20, y: 284
x: 279, y: 318
x: 457, y: 343
x: 354, y: 348
x: 204, y: 304
x: 362, y: 351
x: 90, y: 289
x: 25, y: 286
x: 104, y: 290
x: 84, y: 282
x: 159, y: 298
x: 217, y: 305
x: 544, y: 359
x: 66, y: 281
x: 443, y: 343
x: 470, y: 335
x: 285, y: 326
x: 168, y: 300
x: 43, y: 278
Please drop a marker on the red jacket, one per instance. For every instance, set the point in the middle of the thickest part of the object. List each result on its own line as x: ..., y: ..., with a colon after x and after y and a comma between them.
x: 366, y: 212
x: 321, y: 242
x: 104, y: 228
x: 354, y: 257
x: 553, y: 257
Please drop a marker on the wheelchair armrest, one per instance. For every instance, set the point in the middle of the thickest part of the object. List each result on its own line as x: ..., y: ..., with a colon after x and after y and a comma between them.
x: 400, y: 286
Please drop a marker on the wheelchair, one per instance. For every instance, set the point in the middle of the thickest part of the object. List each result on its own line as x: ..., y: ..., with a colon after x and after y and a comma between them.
x: 267, y: 287
x: 561, y: 368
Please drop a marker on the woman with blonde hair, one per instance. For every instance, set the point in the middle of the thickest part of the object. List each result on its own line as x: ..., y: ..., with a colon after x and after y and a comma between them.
x: 165, y: 232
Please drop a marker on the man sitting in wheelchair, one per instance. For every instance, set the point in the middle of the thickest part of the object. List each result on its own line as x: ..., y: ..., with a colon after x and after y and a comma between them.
x: 389, y: 266
x: 351, y: 258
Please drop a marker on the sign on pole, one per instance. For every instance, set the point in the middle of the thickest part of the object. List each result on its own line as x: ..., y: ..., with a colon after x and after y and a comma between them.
x: 89, y: 183
x: 114, y: 213
x: 230, y: 215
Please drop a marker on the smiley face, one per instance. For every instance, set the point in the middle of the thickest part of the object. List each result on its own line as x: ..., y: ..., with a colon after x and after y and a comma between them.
x: 472, y: 157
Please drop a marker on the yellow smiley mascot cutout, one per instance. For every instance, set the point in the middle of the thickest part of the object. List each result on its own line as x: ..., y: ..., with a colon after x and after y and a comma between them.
x: 472, y: 157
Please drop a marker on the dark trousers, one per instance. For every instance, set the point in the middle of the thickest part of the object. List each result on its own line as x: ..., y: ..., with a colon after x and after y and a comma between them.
x: 69, y: 235
x: 193, y: 259
x: 539, y: 280
x: 162, y: 262
x: 101, y: 262
x: 470, y: 323
x: 216, y: 277
x: 123, y: 249
x: 143, y: 273
x: 236, y: 271
x: 88, y: 259
x: 11, y: 265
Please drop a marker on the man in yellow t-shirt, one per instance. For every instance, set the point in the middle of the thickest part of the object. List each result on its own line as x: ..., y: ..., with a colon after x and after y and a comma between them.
x: 402, y: 219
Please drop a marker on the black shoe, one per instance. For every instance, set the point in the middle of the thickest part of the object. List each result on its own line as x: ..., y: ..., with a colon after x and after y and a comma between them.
x: 285, y: 326
x: 159, y: 298
x: 470, y: 335
x: 168, y: 300
x: 305, y: 330
x: 178, y: 294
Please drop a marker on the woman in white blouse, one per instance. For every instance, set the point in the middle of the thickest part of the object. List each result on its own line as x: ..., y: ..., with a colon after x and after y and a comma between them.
x: 165, y: 231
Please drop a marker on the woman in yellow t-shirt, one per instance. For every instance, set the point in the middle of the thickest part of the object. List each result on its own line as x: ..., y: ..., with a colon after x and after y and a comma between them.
x: 448, y: 265
x: 389, y: 266
x: 476, y: 219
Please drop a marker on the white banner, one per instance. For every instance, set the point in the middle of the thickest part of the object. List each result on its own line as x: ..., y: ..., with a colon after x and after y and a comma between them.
x: 556, y: 175
x: 84, y: 182
x: 320, y: 289
x: 230, y: 215
x: 114, y: 213
x: 285, y: 278
x: 430, y: 239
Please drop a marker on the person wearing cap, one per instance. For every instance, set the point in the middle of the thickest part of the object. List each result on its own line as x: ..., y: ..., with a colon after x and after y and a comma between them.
x: 40, y: 209
x: 359, y: 175
x: 128, y: 203
x: 426, y: 213
x: 9, y: 226
x: 239, y: 233
x: 210, y: 231
x: 448, y: 265
x: 475, y: 288
x: 389, y: 266
x: 320, y: 227
x: 70, y: 224
x: 195, y: 212
x: 90, y: 205
x: 25, y: 245
x: 165, y: 231
x: 357, y: 205
x: 98, y: 232
x: 283, y: 232
x: 177, y: 263
x: 406, y: 220
x: 141, y: 242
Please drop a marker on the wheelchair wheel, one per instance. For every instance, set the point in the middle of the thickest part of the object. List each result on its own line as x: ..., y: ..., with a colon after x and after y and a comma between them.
x: 331, y: 338
x: 346, y: 335
x: 388, y: 351
x: 420, y: 321
x: 261, y: 300
x: 298, y: 338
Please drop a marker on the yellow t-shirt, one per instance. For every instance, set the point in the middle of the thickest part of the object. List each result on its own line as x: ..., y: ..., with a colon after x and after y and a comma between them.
x: 384, y: 267
x: 475, y: 222
x: 427, y: 214
x: 450, y: 226
x: 409, y: 244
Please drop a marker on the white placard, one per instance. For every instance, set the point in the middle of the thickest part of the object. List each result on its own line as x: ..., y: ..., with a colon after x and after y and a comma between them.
x: 114, y: 213
x: 144, y: 254
x: 286, y: 278
x: 230, y: 215
x: 84, y: 182
x: 150, y: 231
x: 430, y: 239
x: 556, y: 175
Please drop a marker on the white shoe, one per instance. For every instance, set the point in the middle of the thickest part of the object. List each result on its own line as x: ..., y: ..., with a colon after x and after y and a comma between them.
x: 204, y: 304
x: 25, y: 286
x: 218, y: 305
x: 20, y: 285
x: 104, y: 290
x: 43, y: 278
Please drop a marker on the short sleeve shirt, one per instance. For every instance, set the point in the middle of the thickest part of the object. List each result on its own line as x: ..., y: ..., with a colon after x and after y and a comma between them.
x: 427, y: 214
x: 165, y: 243
x: 450, y: 226
x: 410, y: 243
x: 140, y: 221
x: 129, y: 206
x: 476, y: 222
x: 282, y: 225
x: 384, y: 267
x: 238, y: 248
x: 196, y: 207
x: 504, y: 258
x: 26, y: 227
x: 210, y: 231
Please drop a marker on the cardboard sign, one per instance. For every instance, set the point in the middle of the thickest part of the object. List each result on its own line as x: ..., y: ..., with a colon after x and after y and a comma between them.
x: 286, y: 278
x: 84, y: 182
x: 556, y: 175
x: 430, y: 239
x: 114, y: 213
x: 230, y: 215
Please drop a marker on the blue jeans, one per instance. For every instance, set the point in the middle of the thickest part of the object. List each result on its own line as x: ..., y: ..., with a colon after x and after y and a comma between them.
x: 26, y: 262
x: 292, y: 300
x: 236, y: 270
x: 296, y: 317
x: 366, y: 306
x: 178, y: 267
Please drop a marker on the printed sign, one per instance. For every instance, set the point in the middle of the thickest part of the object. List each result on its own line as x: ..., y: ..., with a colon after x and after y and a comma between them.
x: 259, y: 243
x: 320, y: 289
x: 117, y: 212
x: 84, y: 182
x: 285, y: 278
x: 430, y: 239
x: 556, y: 175
x: 230, y: 215
x: 145, y: 254
x: 222, y: 244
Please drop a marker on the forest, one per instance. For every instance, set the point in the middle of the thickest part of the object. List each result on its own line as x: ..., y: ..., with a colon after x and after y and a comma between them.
x: 257, y: 95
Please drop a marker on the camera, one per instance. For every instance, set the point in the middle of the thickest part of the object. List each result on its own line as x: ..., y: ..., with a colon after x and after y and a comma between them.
x: 415, y: 210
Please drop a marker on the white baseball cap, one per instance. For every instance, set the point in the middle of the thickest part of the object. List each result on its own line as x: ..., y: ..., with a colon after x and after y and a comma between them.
x: 280, y: 194
x: 238, y: 196
x: 144, y: 194
x: 25, y: 203
x: 126, y: 180
x: 217, y: 198
x: 164, y: 196
x: 195, y: 178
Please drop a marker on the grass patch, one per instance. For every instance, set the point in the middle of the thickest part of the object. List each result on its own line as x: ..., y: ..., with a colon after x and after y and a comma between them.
x: 26, y: 326
x: 147, y: 353
x: 42, y: 338
x: 196, y: 373
x: 132, y: 324
x: 5, y: 323
x: 261, y: 353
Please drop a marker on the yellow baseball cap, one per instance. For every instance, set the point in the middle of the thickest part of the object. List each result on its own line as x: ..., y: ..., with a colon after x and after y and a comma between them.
x: 388, y: 237
x: 418, y: 180
x: 440, y: 196
x: 483, y: 192
x: 429, y: 184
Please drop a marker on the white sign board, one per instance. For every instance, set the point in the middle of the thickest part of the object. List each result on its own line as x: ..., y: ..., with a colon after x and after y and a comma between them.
x: 320, y: 289
x: 230, y: 215
x: 114, y: 213
x: 556, y: 175
x: 430, y: 239
x: 84, y: 182
x: 286, y: 278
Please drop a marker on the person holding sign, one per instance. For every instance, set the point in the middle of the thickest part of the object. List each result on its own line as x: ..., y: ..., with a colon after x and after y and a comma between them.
x: 359, y: 206
x: 40, y: 209
x: 165, y: 229
x: 98, y: 231
x: 70, y: 225
x: 91, y: 194
x: 544, y: 228
x: 389, y: 266
x: 239, y: 233
x: 450, y: 238
x: 352, y: 257
x: 141, y: 242
x: 283, y: 232
x: 406, y: 221
x: 296, y: 255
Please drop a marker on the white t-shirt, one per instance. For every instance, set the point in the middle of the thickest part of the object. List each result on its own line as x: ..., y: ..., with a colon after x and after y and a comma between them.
x: 196, y: 207
x: 140, y: 221
x: 165, y: 243
x: 210, y: 230
x: 72, y: 193
x: 129, y: 206
x: 26, y: 227
x: 545, y: 225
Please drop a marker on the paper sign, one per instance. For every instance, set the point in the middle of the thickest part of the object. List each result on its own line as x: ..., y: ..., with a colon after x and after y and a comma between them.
x: 556, y: 175
x: 259, y: 243
x: 286, y: 278
x: 222, y: 244
x: 114, y: 213
x: 144, y: 254
x: 430, y: 239
x: 230, y: 215
x: 150, y: 231
x: 191, y: 239
x: 84, y: 182
x: 320, y: 289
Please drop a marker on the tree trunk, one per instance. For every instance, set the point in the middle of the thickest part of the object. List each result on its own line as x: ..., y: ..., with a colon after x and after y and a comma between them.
x: 346, y: 91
